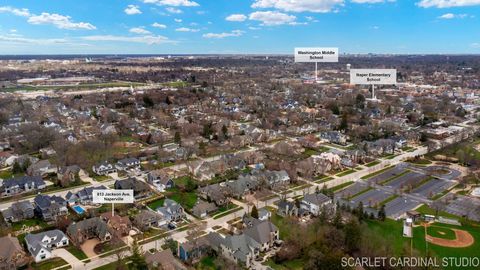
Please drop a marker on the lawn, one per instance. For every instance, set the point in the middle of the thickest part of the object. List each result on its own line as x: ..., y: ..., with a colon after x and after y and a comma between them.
x: 78, y: 253
x: 49, y: 264
x: 29, y: 223
x: 441, y: 232
x: 347, y: 172
x: 420, y: 161
x: 101, y: 178
x: 186, y: 199
x: 377, y: 172
x: 344, y: 185
x: 394, y: 177
x: 289, y: 265
x: 226, y: 212
x: 155, y: 204
x: 426, y: 210
x: 5, y: 174
x: 207, y: 263
x: 373, y: 163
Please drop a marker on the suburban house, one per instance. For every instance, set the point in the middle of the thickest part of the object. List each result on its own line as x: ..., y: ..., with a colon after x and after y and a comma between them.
x: 148, y: 219
x: 140, y: 188
x: 163, y: 260
x: 41, y: 168
x: 83, y: 196
x: 161, y: 180
x: 127, y: 164
x: 203, y: 208
x: 68, y: 174
x: 219, y: 193
x: 265, y: 233
x: 40, y: 245
x: 171, y: 211
x: 193, y: 251
x: 18, y: 211
x: 104, y: 168
x: 241, y: 249
x: 287, y: 208
x: 243, y: 185
x: 12, y: 255
x: 334, y: 137
x: 87, y: 229
x: 49, y: 208
x: 264, y: 214
x: 313, y: 203
x: 277, y: 178
x: 118, y: 224
x: 22, y: 184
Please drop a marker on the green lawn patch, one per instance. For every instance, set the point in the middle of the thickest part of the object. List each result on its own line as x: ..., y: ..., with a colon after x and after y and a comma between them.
x: 29, y: 223
x: 339, y: 187
x: 227, y: 212
x: 441, y: 232
x: 101, y: 178
x: 49, y: 264
x: 296, y: 264
x: 387, y: 200
x: 323, y: 179
x: 394, y: 177
x: 186, y: 199
x: 347, y: 172
x: 377, y: 172
x: 156, y: 203
x: 373, y: 163
x: 78, y: 253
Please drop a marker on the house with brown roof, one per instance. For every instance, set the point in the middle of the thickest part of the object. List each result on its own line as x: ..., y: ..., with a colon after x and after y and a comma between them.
x: 12, y: 255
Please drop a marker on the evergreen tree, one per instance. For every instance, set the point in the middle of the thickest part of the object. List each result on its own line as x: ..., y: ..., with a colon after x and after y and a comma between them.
x: 382, y: 214
x: 359, y: 211
x: 254, y: 213
x: 16, y: 168
x: 225, y: 131
x: 26, y: 164
x: 337, y: 220
x: 137, y: 259
x: 178, y: 138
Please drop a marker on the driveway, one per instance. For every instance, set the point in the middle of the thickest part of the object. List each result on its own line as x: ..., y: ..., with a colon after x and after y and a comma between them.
x: 88, y: 247
x: 68, y: 257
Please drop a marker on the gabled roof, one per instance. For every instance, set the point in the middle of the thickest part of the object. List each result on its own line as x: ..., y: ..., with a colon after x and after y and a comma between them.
x: 35, y: 241
x: 260, y: 232
x: 316, y: 198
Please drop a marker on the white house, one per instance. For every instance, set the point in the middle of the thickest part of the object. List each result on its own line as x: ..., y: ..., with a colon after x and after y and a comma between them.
x: 40, y: 245
x: 313, y: 203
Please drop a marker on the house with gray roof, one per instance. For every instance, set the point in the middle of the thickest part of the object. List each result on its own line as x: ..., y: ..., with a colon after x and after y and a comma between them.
x: 83, y: 196
x: 128, y: 164
x: 41, y: 168
x: 21, y: 184
x: 313, y: 203
x: 264, y: 233
x: 202, y: 208
x: 40, y: 245
x: 171, y: 211
x: 149, y: 219
x: 140, y: 189
x: 287, y: 208
x: 18, y: 211
x: 86, y: 229
x: 104, y: 168
x: 49, y: 208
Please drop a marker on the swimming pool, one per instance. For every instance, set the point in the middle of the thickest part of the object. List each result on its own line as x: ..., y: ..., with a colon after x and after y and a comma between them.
x: 78, y: 209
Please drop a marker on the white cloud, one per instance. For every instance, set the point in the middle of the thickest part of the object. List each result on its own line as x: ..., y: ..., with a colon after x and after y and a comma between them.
x: 150, y: 39
x: 15, y: 11
x: 139, y: 30
x: 132, y: 10
x: 370, y: 1
x: 475, y: 45
x: 39, y: 41
x: 447, y: 3
x: 236, y: 18
x: 60, y: 21
x: 173, y: 3
x: 317, y: 6
x: 449, y: 16
x: 173, y: 10
x: 270, y: 18
x: 186, y: 29
x: 159, y: 25
x: 178, y: 20
x: 234, y: 33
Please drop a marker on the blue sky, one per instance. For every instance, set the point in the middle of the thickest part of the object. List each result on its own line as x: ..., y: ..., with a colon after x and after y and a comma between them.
x: 238, y: 26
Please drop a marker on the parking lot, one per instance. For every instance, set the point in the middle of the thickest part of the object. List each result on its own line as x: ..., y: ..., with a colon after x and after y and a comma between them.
x: 433, y: 187
x: 371, y: 198
x: 352, y: 190
x: 465, y: 206
x: 387, y: 174
x: 408, y: 179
